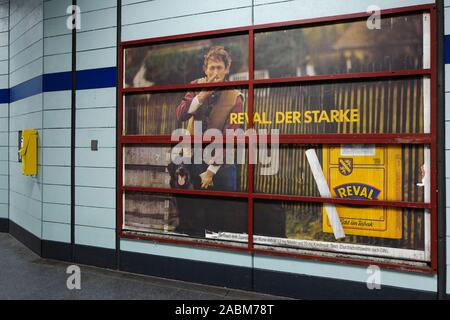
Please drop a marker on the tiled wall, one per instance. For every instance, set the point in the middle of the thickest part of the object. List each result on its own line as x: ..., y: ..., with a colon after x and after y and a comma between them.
x: 147, y: 19
x: 25, y: 78
x: 95, y: 176
x: 56, y: 125
x: 40, y: 88
x: 4, y: 108
x: 40, y: 85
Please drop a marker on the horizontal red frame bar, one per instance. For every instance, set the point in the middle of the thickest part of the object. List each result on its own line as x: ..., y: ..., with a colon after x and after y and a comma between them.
x: 344, y: 76
x: 186, y: 36
x: 264, y: 196
x: 377, y: 203
x: 175, y: 87
x: 288, y: 80
x: 242, y: 195
x: 348, y: 138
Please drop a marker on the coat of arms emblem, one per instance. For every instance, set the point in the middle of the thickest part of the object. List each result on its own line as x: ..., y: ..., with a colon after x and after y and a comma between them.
x: 345, y: 166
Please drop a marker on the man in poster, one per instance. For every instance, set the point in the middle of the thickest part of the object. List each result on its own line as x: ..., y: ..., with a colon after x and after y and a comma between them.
x: 213, y: 109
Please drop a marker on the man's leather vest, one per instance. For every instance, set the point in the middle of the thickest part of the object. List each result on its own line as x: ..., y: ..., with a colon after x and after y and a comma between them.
x: 219, y: 110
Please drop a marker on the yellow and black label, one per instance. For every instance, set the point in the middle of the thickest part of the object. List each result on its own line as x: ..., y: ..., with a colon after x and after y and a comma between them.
x: 365, y: 172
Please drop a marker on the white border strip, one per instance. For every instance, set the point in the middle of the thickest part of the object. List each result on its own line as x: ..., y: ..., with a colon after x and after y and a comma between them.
x: 123, y: 72
x: 123, y: 116
x: 427, y: 167
x: 123, y: 211
x: 337, y: 247
x: 427, y: 215
x: 426, y: 105
x: 426, y: 41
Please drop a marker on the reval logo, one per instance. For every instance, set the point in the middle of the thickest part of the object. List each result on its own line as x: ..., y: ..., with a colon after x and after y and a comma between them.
x: 359, y: 191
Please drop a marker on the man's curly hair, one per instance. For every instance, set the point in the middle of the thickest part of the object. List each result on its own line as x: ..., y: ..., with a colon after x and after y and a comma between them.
x: 217, y: 53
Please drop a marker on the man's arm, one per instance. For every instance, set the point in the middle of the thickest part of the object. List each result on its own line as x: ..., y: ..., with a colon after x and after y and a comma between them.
x: 183, y: 108
x: 213, y: 168
x: 192, y: 102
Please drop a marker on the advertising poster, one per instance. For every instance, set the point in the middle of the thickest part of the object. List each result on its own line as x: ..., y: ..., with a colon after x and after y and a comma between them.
x: 354, y: 171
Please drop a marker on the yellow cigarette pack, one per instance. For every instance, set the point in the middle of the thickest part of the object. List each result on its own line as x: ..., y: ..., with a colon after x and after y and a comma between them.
x: 365, y: 172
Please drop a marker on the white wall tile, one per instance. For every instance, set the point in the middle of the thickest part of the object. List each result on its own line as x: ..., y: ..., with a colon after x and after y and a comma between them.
x: 95, y: 197
x: 89, y: 5
x: 56, y: 8
x: 209, y: 21
x: 95, y: 118
x: 96, y: 237
x: 307, y: 9
x: 99, y: 19
x: 103, y: 158
x: 94, y: 98
x: 57, y: 100
x: 56, y: 231
x: 95, y: 217
x: 96, y: 39
x: 93, y: 59
x: 56, y: 212
x: 158, y: 10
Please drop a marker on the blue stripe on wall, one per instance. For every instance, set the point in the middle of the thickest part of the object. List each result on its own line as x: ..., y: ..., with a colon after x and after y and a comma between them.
x: 57, y: 81
x: 96, y: 78
x: 86, y: 79
x: 447, y: 49
x: 4, y: 95
x: 26, y: 89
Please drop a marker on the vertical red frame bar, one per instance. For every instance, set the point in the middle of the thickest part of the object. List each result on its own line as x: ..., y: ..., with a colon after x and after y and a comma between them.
x: 433, y: 147
x: 119, y: 202
x: 251, y: 76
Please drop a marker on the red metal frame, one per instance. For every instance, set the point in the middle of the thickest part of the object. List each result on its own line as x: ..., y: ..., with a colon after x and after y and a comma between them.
x: 383, y: 138
x: 281, y: 197
x: 288, y: 80
x: 424, y: 138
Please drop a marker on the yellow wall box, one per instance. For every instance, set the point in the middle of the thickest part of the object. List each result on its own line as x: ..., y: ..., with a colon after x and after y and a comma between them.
x: 28, y: 152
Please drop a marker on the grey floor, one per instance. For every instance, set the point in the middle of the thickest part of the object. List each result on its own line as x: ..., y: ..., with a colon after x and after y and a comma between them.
x: 24, y: 275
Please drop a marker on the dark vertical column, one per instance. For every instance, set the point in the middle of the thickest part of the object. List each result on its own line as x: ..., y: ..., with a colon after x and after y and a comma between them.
x: 442, y: 260
x: 9, y: 115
